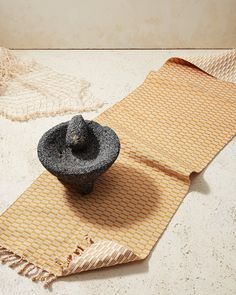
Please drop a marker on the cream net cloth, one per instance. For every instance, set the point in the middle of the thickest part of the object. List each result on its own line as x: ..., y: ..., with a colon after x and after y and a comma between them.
x: 29, y: 90
x: 171, y: 125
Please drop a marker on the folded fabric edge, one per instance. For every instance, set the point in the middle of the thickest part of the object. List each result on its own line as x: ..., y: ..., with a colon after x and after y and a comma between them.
x: 26, y: 268
x: 102, y: 253
x: 221, y: 65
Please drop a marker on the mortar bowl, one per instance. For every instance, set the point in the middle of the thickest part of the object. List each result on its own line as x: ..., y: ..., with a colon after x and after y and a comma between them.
x: 74, y: 164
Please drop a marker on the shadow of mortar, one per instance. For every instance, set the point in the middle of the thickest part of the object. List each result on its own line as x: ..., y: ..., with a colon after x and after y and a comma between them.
x: 122, y: 197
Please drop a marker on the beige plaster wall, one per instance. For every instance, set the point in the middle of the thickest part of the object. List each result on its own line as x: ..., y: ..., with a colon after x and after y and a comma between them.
x: 118, y: 23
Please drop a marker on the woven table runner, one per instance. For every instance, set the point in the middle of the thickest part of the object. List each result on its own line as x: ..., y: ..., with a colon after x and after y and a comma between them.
x: 170, y: 126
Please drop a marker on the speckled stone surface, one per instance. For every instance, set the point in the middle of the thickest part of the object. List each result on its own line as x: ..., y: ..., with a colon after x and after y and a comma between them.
x: 77, y: 134
x: 195, y: 255
x: 78, y: 151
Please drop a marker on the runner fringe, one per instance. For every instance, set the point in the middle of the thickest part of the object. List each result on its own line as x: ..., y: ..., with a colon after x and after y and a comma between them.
x: 26, y: 268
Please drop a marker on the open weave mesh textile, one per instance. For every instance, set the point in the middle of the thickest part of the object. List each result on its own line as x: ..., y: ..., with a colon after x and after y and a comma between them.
x: 171, y: 125
x: 29, y: 90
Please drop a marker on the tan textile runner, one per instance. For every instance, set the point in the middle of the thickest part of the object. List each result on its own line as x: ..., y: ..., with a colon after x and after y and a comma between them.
x: 171, y: 125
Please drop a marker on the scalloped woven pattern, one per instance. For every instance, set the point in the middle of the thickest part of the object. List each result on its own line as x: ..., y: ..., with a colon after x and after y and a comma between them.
x: 221, y: 65
x: 171, y: 125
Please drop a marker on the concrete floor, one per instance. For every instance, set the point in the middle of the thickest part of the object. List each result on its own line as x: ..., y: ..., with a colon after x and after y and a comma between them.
x: 197, y: 252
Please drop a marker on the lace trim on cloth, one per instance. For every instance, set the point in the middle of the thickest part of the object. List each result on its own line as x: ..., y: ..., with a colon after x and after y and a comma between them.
x: 29, y: 90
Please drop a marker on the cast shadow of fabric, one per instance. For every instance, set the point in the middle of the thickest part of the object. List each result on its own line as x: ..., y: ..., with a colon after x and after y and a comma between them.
x: 198, y: 183
x: 121, y: 197
x: 120, y: 270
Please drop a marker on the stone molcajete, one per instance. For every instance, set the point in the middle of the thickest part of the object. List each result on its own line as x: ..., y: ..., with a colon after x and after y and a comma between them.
x: 78, y: 151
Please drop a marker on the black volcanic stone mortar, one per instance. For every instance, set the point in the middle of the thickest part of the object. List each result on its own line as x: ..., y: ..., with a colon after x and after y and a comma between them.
x: 78, y: 151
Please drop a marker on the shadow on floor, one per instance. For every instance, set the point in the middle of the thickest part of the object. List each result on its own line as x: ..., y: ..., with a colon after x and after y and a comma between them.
x: 126, y: 269
x: 198, y: 183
